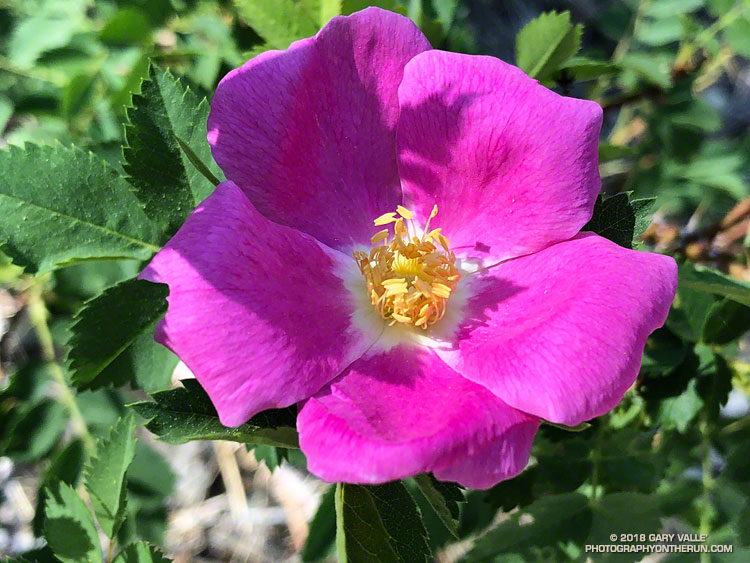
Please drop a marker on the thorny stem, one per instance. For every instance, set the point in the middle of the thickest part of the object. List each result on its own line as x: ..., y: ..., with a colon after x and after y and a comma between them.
x: 38, y: 316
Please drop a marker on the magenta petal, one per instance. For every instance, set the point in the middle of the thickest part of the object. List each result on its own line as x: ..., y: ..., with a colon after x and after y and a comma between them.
x: 255, y: 309
x: 560, y: 333
x: 402, y: 412
x: 512, y: 166
x: 309, y: 133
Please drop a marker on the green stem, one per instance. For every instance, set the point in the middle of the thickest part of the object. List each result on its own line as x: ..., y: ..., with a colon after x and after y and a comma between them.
x: 621, y: 49
x: 110, y: 550
x: 706, y: 513
x: 596, y: 459
x: 688, y: 49
x: 38, y: 316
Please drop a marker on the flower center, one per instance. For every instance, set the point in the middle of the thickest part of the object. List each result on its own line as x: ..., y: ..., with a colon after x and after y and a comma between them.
x: 409, y: 278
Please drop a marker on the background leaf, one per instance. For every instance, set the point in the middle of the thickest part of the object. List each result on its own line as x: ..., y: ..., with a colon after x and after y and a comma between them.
x: 61, y: 205
x: 322, y: 529
x: 35, y: 431
x: 69, y: 527
x: 557, y: 518
x: 165, y: 117
x: 184, y: 414
x: 620, y: 218
x: 379, y: 523
x: 711, y: 281
x: 66, y: 467
x: 444, y: 498
x: 103, y: 352
x: 546, y: 42
x: 105, y: 475
x: 279, y: 23
x: 140, y: 552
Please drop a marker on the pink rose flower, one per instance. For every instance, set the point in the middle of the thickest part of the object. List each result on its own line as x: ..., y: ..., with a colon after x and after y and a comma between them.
x: 311, y: 276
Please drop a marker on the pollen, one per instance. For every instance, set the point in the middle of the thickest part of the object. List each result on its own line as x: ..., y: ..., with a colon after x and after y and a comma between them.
x: 409, y: 277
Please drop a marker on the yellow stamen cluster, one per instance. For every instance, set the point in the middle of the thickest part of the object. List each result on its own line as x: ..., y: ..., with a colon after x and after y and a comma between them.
x: 409, y: 278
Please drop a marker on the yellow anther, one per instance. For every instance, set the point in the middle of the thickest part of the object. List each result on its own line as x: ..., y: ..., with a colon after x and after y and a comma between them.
x: 401, y: 318
x: 441, y: 290
x: 384, y: 219
x: 399, y: 228
x: 409, y: 279
x: 433, y: 233
x: 392, y: 290
x: 405, y: 213
x: 380, y: 235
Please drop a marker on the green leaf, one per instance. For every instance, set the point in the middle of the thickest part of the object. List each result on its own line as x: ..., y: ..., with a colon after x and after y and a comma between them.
x: 702, y: 381
x: 321, y: 11
x: 165, y: 140
x: 653, y: 68
x: 141, y: 552
x: 444, y: 498
x: 279, y: 22
x: 659, y: 32
x: 126, y: 27
x: 700, y: 278
x: 348, y: 7
x: 668, y: 8
x: 78, y: 94
x: 676, y: 413
x: 66, y: 467
x: 379, y: 523
x: 623, y: 513
x: 545, y: 43
x: 80, y: 282
x: 609, y: 152
x: 554, y: 519
x: 105, y: 475
x: 6, y: 111
x: 689, y: 313
x: 737, y: 35
x: 35, y: 431
x: 726, y: 320
x: 583, y: 68
x: 714, y: 380
x: 69, y: 527
x: 60, y: 205
x: 180, y: 415
x: 664, y: 351
x: 446, y: 11
x: 150, y: 474
x: 52, y: 27
x: 577, y: 428
x: 322, y: 529
x: 518, y: 491
x: 104, y: 352
x: 620, y: 218
x: 270, y: 455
